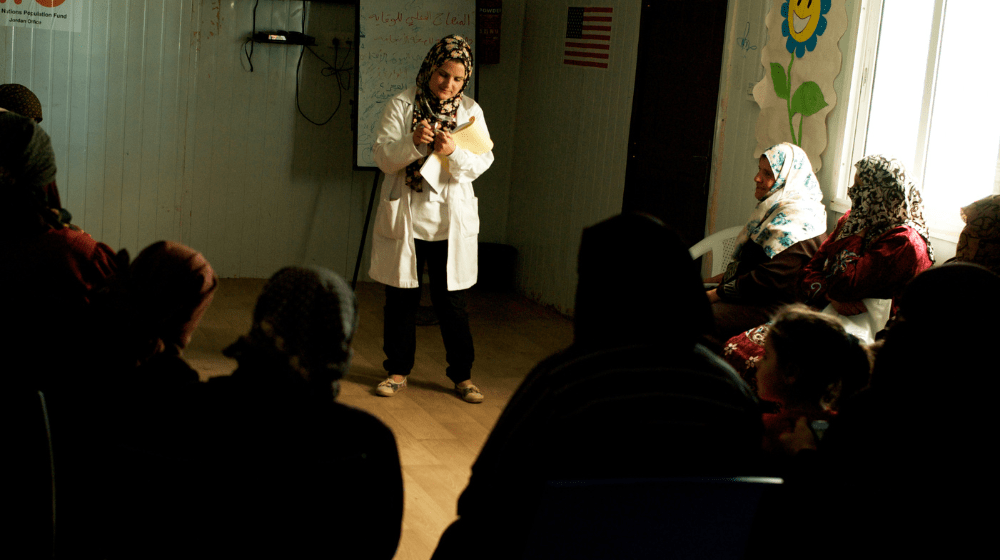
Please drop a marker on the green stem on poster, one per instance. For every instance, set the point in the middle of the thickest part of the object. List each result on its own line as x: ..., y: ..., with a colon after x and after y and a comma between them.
x: 788, y: 102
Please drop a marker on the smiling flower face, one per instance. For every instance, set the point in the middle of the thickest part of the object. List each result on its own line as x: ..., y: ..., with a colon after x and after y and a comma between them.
x: 804, y: 21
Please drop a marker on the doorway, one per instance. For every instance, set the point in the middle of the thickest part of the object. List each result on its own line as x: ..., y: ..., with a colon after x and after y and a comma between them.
x: 678, y: 68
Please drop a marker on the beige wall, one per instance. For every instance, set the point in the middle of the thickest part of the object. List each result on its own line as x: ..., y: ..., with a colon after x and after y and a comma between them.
x: 571, y: 137
x: 161, y: 132
x: 734, y: 161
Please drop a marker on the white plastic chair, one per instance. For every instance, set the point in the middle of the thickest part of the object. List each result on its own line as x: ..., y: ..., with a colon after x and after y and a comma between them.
x: 721, y: 244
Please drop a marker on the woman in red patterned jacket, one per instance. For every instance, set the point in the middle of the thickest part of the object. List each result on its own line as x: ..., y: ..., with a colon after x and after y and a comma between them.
x: 51, y: 272
x: 879, y: 244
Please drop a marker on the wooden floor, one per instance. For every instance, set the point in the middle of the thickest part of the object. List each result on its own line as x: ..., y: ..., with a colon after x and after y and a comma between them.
x: 439, y: 435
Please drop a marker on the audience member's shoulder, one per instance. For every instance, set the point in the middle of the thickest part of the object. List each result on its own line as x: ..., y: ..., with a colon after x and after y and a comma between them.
x: 73, y: 238
x: 566, y: 359
x: 716, y: 367
x: 78, y: 243
x: 219, y: 385
x: 551, y: 372
x: 168, y: 369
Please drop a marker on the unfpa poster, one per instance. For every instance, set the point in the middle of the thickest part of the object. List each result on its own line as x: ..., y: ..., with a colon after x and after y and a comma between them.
x: 54, y: 15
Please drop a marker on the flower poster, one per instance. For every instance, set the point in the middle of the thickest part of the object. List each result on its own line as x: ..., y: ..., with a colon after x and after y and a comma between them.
x: 800, y: 59
x: 53, y: 15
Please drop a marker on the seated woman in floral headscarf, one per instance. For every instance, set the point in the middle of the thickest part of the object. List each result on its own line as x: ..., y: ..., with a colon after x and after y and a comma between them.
x: 878, y: 246
x: 783, y: 233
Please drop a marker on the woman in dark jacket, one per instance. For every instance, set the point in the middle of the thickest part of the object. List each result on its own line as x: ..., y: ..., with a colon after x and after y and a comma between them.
x: 295, y: 474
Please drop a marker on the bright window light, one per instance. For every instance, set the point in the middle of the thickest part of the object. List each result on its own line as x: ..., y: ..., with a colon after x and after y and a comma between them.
x: 934, y: 101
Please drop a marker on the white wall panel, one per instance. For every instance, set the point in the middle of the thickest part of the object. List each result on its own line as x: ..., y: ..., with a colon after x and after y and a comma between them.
x: 733, y: 166
x: 114, y: 128
x: 733, y: 160
x: 161, y: 132
x: 572, y: 136
x: 498, y: 96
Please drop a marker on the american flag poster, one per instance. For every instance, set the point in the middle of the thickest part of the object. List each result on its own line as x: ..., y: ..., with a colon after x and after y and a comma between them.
x: 588, y: 37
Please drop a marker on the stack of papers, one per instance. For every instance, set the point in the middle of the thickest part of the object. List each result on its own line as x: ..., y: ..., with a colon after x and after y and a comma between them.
x: 470, y: 136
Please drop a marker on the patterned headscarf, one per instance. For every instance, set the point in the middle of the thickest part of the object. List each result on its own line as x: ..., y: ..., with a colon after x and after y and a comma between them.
x: 19, y: 99
x: 27, y: 166
x: 303, y: 324
x: 793, y: 209
x: 27, y: 161
x: 427, y: 105
x: 979, y: 241
x: 883, y: 199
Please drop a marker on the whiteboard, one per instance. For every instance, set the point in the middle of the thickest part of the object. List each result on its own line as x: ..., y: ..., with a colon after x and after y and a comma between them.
x: 393, y: 39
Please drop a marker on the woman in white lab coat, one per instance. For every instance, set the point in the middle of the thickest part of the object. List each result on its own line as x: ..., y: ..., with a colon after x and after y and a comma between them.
x: 432, y: 221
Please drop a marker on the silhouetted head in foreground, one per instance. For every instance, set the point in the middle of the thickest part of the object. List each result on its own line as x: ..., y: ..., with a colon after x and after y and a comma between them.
x: 303, y: 325
x: 638, y: 285
x: 27, y: 165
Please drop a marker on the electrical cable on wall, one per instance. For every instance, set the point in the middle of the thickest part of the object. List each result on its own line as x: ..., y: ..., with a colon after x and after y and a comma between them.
x: 335, y: 70
x: 343, y: 76
x: 253, y: 32
x: 338, y: 69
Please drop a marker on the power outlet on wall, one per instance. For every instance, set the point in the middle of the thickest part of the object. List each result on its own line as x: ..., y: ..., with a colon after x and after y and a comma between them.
x: 341, y: 39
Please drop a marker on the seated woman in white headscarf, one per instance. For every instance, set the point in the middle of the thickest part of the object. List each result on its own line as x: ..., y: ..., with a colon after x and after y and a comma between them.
x: 785, y: 230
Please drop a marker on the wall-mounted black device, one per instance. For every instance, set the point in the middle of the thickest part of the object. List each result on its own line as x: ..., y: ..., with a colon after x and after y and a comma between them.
x: 284, y: 38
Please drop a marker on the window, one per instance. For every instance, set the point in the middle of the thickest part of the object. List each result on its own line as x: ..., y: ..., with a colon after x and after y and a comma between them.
x: 932, y: 101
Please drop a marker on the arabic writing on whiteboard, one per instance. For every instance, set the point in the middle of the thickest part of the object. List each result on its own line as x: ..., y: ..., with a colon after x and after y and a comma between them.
x: 394, y: 37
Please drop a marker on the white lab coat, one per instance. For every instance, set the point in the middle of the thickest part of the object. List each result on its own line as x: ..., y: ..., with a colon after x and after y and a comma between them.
x: 394, y: 260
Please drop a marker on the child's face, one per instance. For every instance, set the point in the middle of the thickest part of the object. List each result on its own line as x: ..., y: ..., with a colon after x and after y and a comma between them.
x: 768, y: 378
